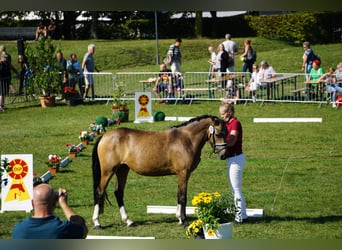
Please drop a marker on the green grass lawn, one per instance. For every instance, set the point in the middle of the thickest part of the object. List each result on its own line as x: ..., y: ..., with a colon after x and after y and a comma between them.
x: 303, y: 157
x: 140, y: 55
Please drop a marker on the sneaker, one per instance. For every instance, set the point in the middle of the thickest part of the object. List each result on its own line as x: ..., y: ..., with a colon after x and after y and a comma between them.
x: 254, y: 98
x: 2, y: 109
x: 334, y: 105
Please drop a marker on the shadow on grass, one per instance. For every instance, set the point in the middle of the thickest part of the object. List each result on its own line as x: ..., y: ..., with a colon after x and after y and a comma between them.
x: 314, y: 220
x: 137, y: 223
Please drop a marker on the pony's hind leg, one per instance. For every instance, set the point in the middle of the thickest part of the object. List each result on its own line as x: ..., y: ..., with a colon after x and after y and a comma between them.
x: 97, y: 209
x: 121, y: 178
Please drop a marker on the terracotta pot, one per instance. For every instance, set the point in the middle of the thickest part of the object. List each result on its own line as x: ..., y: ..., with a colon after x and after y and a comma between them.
x: 47, y: 101
x: 72, y: 155
x: 54, y: 170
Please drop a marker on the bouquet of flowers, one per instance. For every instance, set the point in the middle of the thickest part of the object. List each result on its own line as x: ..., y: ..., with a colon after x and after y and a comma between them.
x: 84, y: 135
x: 96, y: 127
x: 54, y: 161
x: 211, y: 209
x: 71, y: 148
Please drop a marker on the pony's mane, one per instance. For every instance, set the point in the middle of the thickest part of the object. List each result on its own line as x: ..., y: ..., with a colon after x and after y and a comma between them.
x: 198, y: 118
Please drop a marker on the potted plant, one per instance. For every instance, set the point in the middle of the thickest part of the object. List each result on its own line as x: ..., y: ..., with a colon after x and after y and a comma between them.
x: 46, y: 79
x: 84, y: 137
x: 73, y: 150
x: 96, y: 128
x: 214, y: 211
x: 119, y: 107
x: 53, y: 163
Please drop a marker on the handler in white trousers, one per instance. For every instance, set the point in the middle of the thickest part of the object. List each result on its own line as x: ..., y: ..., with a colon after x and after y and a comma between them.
x: 236, y: 159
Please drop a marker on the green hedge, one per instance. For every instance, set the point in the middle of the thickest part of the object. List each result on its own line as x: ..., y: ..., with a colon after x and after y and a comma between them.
x: 298, y: 27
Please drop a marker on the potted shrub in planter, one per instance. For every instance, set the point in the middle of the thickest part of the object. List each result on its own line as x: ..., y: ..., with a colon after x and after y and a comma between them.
x: 46, y: 78
x: 120, y: 111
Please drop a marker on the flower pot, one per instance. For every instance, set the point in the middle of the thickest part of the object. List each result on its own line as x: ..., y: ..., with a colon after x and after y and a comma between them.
x: 54, y: 170
x: 72, y: 155
x: 47, y: 101
x: 85, y: 142
x: 225, y: 231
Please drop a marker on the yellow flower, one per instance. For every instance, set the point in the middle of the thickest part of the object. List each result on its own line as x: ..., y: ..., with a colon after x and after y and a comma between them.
x: 211, y: 232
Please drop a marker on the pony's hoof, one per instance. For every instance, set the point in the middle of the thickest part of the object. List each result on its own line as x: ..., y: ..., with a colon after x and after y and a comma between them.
x: 131, y: 223
x: 98, y: 227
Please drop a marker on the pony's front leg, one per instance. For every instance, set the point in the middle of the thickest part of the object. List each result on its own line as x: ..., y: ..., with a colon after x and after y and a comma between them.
x: 124, y: 216
x: 178, y: 214
x: 182, y: 196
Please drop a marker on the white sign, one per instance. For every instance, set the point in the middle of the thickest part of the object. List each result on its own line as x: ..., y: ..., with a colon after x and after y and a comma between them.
x: 143, y: 107
x: 17, y: 183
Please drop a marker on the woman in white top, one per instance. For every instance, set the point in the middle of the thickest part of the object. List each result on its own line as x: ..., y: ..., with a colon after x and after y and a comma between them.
x: 212, y: 62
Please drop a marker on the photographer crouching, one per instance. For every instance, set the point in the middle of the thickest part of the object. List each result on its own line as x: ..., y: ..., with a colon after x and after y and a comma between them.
x: 44, y: 224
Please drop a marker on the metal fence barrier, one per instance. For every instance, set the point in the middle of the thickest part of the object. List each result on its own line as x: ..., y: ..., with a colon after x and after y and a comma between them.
x: 285, y: 87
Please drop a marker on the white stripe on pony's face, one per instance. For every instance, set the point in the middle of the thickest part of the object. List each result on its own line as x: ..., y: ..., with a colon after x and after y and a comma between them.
x: 211, y: 129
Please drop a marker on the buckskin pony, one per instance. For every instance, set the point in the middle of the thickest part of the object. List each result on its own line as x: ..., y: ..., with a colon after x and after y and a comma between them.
x: 175, y: 151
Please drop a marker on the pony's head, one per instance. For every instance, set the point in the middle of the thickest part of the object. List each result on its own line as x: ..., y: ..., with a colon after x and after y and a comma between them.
x: 217, y: 133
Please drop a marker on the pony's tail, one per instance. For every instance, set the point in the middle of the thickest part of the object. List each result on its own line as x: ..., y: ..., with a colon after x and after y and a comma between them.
x: 96, y: 174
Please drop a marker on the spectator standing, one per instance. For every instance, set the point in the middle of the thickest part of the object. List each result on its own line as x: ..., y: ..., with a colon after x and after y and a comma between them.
x: 88, y: 67
x: 223, y: 57
x: 61, y: 62
x: 12, y: 68
x: 232, y: 48
x: 236, y: 159
x: 248, y: 59
x: 5, y: 78
x: 175, y: 56
x: 76, y: 74
x: 212, y: 62
x: 308, y: 58
x: 44, y: 224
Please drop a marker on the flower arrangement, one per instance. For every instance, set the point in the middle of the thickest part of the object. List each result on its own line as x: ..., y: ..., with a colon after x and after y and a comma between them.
x: 96, y: 127
x: 84, y: 136
x: 54, y: 161
x: 211, y: 209
x: 71, y: 148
